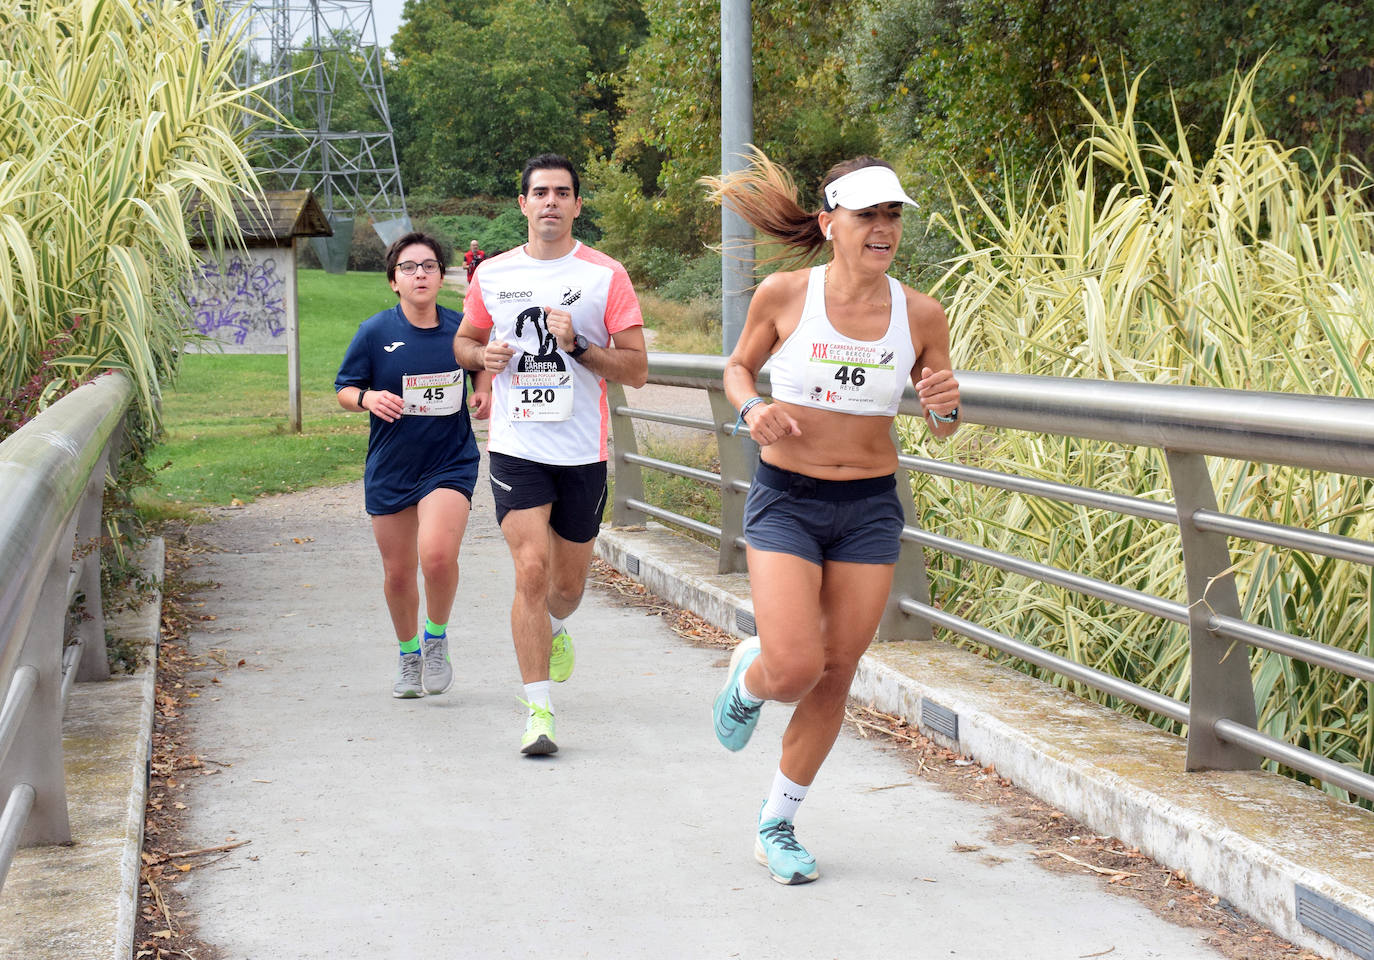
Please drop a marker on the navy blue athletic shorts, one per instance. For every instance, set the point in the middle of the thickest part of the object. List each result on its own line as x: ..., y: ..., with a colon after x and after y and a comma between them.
x: 851, y: 521
x: 577, y: 493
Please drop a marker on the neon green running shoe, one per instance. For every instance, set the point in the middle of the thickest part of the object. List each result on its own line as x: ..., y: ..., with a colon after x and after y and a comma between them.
x: 561, y: 657
x: 538, y: 739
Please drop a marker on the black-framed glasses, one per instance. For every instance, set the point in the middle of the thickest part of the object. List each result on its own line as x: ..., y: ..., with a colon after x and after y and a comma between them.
x: 408, y: 267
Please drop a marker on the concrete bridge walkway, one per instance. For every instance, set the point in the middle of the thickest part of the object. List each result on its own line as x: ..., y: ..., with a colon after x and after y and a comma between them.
x: 414, y: 829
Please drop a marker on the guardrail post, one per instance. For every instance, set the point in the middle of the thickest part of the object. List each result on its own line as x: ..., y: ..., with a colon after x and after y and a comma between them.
x: 90, y: 629
x: 35, y: 758
x: 1221, y: 686
x: 736, y: 467
x: 909, y: 579
x: 629, y: 477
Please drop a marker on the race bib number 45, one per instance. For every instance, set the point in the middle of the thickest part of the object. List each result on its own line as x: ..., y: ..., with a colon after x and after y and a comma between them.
x: 432, y: 394
x: 850, y: 377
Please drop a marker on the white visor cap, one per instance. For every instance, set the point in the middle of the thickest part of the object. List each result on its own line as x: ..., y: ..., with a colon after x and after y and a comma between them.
x: 866, y: 187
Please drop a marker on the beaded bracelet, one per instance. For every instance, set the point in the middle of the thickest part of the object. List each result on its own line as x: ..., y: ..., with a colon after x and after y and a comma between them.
x: 748, y: 405
x: 947, y: 418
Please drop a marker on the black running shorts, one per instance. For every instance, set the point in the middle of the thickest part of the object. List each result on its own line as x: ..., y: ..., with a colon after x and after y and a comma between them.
x: 577, y: 493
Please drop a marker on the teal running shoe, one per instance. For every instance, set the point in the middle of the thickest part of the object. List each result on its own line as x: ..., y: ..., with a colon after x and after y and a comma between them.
x: 538, y: 739
x: 438, y: 669
x: 735, y: 717
x: 561, y: 657
x: 777, y: 848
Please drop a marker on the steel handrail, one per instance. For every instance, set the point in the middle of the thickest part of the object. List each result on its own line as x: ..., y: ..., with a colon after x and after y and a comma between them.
x: 1187, y: 423
x: 52, y: 474
x: 1322, y: 433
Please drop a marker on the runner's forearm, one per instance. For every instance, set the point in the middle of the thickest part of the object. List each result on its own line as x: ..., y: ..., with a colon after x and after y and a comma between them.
x: 617, y: 364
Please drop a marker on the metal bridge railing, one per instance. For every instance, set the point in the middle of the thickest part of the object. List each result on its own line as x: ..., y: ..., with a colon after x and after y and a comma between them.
x: 1188, y: 424
x: 52, y: 478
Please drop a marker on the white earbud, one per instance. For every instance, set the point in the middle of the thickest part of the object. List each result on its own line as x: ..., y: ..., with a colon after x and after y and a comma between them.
x: 830, y: 233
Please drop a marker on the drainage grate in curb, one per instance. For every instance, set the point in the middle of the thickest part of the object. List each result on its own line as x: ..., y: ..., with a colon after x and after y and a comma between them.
x: 744, y: 622
x: 632, y: 564
x: 1335, y: 922
x: 942, y: 720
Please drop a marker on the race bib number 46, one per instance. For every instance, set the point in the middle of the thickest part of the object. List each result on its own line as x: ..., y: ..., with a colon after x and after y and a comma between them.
x: 850, y: 377
x: 432, y: 394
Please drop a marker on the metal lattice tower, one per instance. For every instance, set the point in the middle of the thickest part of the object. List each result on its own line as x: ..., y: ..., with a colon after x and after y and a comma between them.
x: 354, y: 172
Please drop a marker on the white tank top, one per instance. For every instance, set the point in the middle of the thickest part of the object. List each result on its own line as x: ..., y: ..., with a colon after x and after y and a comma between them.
x: 819, y: 367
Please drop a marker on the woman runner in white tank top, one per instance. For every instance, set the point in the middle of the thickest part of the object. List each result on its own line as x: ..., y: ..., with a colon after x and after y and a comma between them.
x: 822, y: 519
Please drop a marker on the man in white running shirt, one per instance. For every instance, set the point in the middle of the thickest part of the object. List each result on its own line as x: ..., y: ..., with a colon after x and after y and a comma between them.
x: 552, y: 321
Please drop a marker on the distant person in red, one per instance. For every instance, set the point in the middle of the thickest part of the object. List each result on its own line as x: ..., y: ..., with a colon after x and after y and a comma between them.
x: 472, y: 258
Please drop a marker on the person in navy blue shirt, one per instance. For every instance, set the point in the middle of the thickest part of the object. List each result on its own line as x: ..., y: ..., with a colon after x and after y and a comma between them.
x: 421, y: 454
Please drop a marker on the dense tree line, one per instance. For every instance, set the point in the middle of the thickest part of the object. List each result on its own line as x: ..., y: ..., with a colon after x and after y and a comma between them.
x: 982, y: 88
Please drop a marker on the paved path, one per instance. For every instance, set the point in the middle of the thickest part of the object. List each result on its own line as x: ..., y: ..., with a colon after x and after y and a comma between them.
x: 414, y: 829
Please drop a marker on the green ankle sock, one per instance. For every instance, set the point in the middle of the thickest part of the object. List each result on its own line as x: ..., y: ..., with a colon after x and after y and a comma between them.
x: 412, y: 645
x: 434, y: 630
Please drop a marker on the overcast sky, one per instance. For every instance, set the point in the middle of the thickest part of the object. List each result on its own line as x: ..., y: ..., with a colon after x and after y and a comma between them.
x: 386, y: 15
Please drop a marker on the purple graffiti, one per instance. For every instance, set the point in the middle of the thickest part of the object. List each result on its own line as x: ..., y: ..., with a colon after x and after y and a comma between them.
x: 240, y: 299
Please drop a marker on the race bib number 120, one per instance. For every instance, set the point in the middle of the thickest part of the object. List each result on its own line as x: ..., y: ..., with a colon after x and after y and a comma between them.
x: 541, y: 395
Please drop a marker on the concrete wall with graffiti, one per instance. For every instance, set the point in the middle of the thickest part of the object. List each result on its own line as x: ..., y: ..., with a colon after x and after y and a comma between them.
x: 242, y: 301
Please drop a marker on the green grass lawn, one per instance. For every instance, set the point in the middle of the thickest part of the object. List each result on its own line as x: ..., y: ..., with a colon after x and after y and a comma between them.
x: 225, y: 419
x: 225, y: 434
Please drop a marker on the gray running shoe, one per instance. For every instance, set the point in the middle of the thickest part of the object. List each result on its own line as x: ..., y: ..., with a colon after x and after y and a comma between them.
x: 438, y: 669
x: 407, y: 686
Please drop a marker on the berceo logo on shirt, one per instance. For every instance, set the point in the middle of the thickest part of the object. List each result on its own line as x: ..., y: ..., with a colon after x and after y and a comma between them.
x: 514, y: 294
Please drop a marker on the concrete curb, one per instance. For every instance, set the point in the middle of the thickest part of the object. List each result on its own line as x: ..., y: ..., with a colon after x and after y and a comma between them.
x: 1252, y: 837
x: 81, y: 902
x: 143, y: 625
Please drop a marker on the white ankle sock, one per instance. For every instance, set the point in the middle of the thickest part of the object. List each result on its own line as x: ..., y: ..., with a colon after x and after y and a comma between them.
x: 784, y: 799
x: 555, y: 625
x: 537, y: 693
x: 745, y: 694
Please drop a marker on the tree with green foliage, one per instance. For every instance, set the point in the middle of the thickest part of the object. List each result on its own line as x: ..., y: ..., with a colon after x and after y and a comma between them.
x: 992, y: 85
x: 670, y: 135
x: 486, y: 98
x: 1317, y: 86
x: 478, y: 89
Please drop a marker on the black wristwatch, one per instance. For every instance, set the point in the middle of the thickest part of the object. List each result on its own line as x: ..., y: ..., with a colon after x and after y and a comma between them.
x: 580, y: 346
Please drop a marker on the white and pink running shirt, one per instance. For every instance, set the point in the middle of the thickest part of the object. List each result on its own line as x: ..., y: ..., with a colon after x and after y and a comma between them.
x: 546, y: 406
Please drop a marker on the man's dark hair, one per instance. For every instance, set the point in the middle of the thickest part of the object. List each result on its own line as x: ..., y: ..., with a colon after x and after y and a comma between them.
x: 393, y: 252
x: 549, y: 161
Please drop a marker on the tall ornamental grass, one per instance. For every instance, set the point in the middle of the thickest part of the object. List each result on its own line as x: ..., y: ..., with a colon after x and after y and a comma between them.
x: 115, y: 115
x: 1129, y: 260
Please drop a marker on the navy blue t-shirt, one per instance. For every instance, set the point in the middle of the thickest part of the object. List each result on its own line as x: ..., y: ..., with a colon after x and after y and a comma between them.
x: 416, y: 454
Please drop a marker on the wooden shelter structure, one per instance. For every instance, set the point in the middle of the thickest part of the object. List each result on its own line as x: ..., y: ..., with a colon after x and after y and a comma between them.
x: 243, y: 299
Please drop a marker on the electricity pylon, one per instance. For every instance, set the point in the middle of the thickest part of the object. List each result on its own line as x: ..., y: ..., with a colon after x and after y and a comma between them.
x: 322, y: 51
